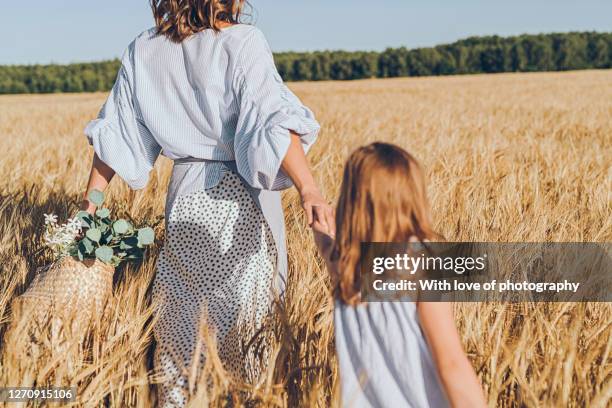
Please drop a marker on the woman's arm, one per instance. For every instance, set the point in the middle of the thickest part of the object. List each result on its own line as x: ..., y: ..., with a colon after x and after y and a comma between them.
x: 99, y: 177
x: 295, y: 165
x: 457, y: 374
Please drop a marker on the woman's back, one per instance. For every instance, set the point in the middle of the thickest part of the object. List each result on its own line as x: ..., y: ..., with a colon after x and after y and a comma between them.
x: 215, y: 96
x: 186, y: 91
x: 384, y: 358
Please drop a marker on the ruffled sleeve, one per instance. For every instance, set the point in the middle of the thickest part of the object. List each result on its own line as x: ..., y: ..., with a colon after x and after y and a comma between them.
x: 268, y: 112
x: 119, y: 137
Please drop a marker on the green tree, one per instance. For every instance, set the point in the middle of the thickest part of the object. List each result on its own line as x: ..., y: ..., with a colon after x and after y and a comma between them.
x: 492, y: 59
x: 468, y: 56
x: 598, y: 53
x: 518, y: 57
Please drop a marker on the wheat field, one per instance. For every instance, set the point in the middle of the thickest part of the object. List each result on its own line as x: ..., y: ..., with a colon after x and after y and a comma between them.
x: 510, y: 157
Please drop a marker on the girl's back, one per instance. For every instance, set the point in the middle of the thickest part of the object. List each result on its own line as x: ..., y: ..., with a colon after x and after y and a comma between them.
x: 391, y: 353
x: 384, y: 358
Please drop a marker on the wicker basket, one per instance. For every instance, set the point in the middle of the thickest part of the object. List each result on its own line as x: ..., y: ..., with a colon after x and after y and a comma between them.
x: 68, y: 289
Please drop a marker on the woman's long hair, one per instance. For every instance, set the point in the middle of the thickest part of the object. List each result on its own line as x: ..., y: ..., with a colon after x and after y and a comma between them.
x: 179, y: 19
x: 383, y: 199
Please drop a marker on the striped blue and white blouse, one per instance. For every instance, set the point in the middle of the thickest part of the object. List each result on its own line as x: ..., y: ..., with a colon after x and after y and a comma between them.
x: 215, y: 96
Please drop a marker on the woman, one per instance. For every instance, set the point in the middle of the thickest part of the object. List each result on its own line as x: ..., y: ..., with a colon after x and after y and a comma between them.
x: 202, y: 89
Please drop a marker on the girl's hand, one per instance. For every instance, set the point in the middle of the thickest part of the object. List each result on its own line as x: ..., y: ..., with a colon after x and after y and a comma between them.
x: 324, y: 241
x: 318, y: 228
x: 319, y: 213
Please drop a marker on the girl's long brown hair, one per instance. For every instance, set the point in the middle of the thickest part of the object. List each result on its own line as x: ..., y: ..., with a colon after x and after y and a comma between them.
x: 383, y: 199
x: 179, y: 19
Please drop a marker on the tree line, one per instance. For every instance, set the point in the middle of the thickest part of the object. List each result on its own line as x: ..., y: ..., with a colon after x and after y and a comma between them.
x: 474, y: 55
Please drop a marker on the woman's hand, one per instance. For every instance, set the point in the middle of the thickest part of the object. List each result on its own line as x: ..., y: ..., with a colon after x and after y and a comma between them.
x: 99, y: 177
x: 319, y: 213
x: 316, y: 207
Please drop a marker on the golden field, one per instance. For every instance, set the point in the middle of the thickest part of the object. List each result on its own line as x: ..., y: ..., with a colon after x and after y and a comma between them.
x: 511, y: 157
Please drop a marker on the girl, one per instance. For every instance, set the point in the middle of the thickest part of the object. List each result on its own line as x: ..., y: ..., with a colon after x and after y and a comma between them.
x: 391, y: 354
x: 202, y: 89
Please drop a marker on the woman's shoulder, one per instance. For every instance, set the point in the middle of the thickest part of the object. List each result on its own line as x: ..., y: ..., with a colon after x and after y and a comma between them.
x: 245, y: 44
x: 143, y: 37
x: 247, y: 37
x: 150, y: 34
x: 243, y: 30
x: 240, y: 30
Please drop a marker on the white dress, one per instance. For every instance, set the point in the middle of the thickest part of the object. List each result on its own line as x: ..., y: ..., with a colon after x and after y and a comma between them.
x: 383, y: 357
x: 216, y: 105
x: 216, y: 269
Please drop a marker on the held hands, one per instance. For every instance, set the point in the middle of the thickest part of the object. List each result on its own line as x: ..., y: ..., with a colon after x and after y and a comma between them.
x: 321, y: 219
x: 319, y: 213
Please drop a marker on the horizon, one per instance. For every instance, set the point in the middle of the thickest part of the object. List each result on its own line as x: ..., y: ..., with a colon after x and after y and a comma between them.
x: 334, y: 50
x: 72, y: 31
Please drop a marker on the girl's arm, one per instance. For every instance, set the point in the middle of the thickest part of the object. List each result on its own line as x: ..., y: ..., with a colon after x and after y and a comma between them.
x: 324, y: 240
x: 457, y: 374
x: 99, y: 177
x: 296, y: 167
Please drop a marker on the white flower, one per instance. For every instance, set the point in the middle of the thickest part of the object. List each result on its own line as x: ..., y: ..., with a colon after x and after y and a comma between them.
x: 74, y: 224
x: 50, y: 219
x: 61, y: 238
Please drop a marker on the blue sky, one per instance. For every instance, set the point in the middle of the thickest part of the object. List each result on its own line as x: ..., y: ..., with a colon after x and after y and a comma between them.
x: 62, y: 31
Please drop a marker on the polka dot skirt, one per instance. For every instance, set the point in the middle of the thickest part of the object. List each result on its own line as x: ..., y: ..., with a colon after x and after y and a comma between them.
x: 215, y: 272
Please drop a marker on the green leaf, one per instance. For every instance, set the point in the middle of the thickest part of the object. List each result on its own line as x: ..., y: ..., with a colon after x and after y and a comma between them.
x: 104, y: 253
x: 86, y: 246
x: 115, y: 261
x: 85, y: 218
x: 146, y: 236
x: 107, y: 237
x: 83, y: 214
x: 121, y: 226
x: 96, y: 197
x: 133, y: 257
x: 103, y: 213
x: 74, y: 251
x: 128, y: 242
x: 94, y: 234
x: 135, y: 253
x: 80, y: 255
